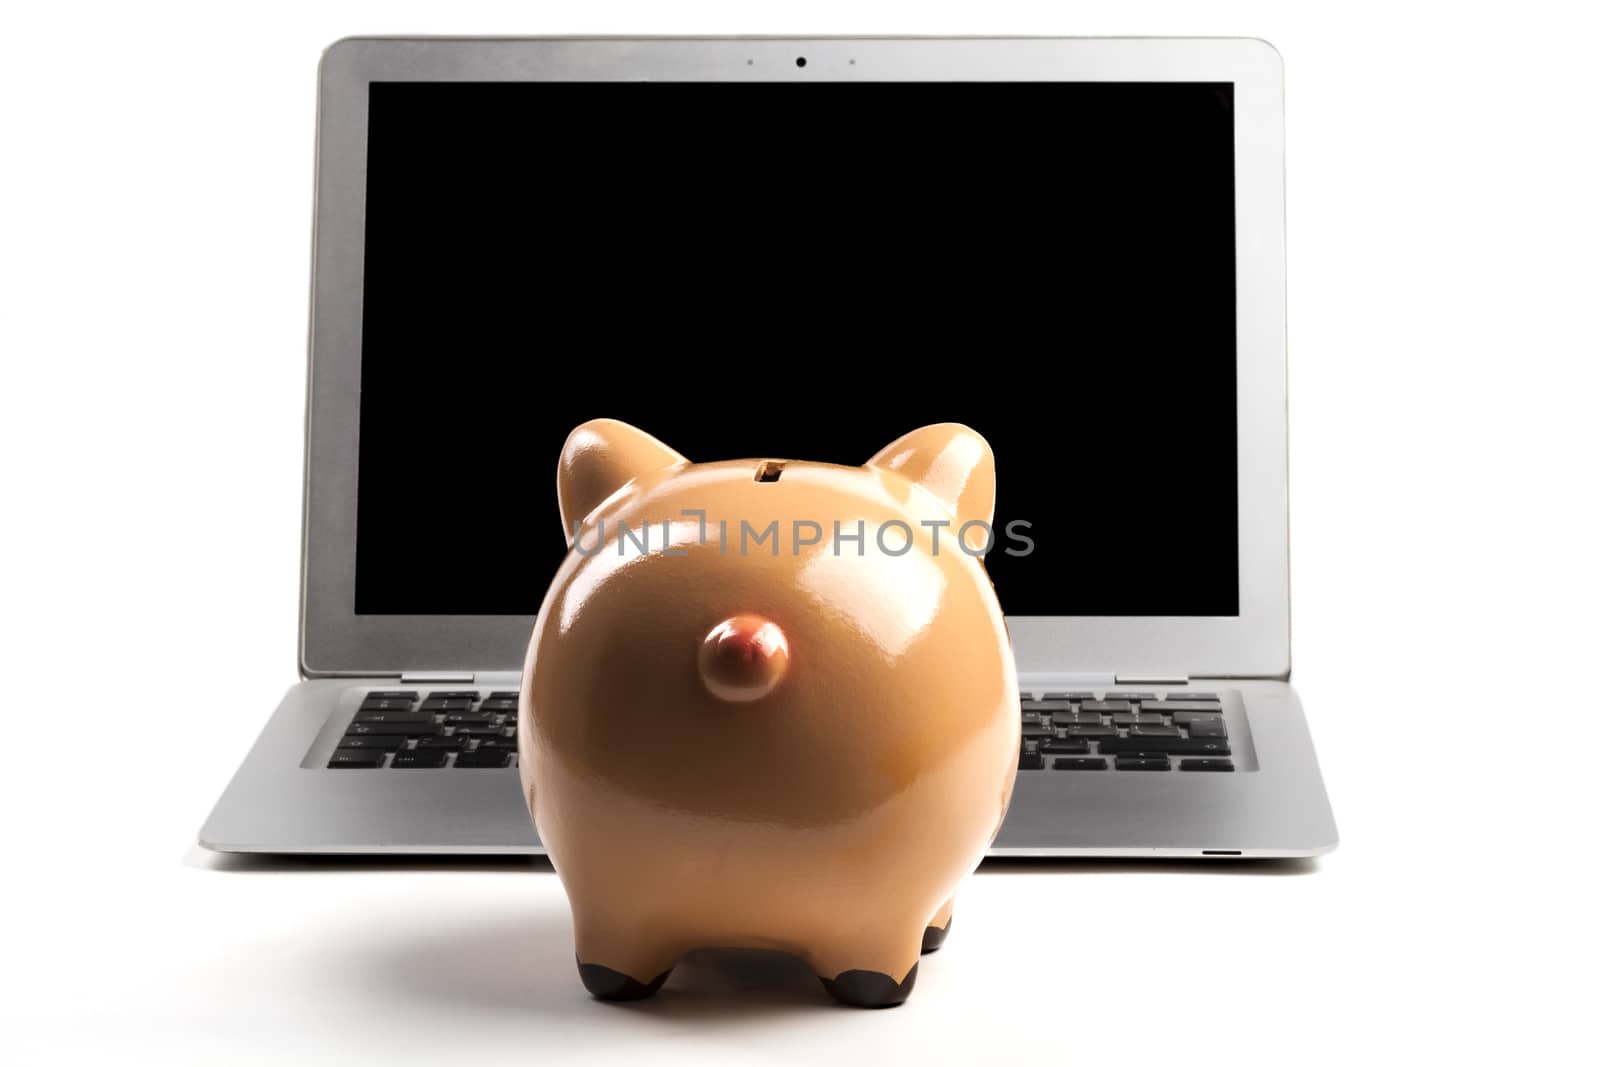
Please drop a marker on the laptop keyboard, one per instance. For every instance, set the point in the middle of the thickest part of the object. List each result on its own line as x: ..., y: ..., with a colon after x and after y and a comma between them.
x: 1124, y: 731
x: 1063, y: 731
x: 446, y: 728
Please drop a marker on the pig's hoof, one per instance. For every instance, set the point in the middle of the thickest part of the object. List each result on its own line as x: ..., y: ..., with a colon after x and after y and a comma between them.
x: 933, y: 937
x: 605, y: 984
x: 870, y: 989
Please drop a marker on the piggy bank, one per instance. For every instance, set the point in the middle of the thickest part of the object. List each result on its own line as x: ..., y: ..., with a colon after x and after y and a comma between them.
x: 768, y: 704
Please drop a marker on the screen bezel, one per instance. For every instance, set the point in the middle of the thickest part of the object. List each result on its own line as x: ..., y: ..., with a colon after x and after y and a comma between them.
x: 335, y: 641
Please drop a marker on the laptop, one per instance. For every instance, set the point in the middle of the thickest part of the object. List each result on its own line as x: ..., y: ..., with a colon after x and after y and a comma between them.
x: 800, y: 248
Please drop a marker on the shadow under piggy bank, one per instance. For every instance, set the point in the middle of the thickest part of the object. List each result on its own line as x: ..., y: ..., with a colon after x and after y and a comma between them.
x: 524, y: 966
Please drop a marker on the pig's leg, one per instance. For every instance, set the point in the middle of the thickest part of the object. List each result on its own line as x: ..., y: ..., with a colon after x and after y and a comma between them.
x: 620, y: 964
x: 871, y: 971
x: 938, y: 927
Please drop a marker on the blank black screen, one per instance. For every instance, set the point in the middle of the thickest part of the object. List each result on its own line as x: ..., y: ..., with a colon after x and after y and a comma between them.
x: 1049, y: 263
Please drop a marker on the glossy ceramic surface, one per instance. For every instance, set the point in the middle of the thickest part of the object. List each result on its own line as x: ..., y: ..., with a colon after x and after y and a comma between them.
x: 770, y: 733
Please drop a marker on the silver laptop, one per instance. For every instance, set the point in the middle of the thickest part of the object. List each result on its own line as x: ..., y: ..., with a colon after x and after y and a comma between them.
x: 1074, y: 246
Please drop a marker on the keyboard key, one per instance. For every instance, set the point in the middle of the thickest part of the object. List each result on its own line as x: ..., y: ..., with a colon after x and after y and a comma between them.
x: 1032, y: 718
x: 382, y: 744
x: 502, y: 706
x: 1069, y: 718
x: 1212, y: 697
x: 504, y: 744
x: 419, y: 757
x: 398, y: 718
x: 1208, y: 728
x: 469, y: 695
x: 463, y: 718
x: 1205, y: 765
x: 432, y: 704
x: 1065, y: 746
x: 1106, y: 706
x: 1024, y: 695
x: 1130, y: 696
x: 1185, y: 718
x: 370, y: 704
x: 1183, y: 746
x: 479, y: 731
x: 1087, y: 730
x: 1167, y: 707
x: 1157, y: 730
x: 504, y: 694
x: 1046, y: 705
x: 453, y: 743
x: 357, y: 757
x: 1069, y: 764
x: 483, y: 758
x: 1069, y: 696
x: 1129, y: 718
x: 408, y: 695
x: 1143, y: 763
x: 392, y: 729
x: 1030, y: 762
x: 1038, y: 731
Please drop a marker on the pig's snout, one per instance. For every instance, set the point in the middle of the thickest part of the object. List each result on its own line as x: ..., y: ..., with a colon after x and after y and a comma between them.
x: 743, y: 658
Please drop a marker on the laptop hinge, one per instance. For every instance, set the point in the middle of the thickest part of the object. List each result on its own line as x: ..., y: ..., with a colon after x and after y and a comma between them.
x: 436, y: 677
x: 1058, y: 680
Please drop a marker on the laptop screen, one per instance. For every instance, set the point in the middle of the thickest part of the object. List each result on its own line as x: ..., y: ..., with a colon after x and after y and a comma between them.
x: 1049, y: 263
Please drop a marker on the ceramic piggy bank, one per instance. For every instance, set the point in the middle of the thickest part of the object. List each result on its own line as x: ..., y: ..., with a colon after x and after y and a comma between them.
x: 768, y: 704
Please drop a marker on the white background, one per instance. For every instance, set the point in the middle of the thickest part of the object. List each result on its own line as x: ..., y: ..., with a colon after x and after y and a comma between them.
x: 155, y: 181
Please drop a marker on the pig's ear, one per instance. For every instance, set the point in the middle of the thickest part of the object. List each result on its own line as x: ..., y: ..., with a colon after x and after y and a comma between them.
x: 600, y: 457
x: 950, y: 461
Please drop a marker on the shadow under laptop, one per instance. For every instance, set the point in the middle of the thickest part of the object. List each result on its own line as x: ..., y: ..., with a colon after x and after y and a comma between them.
x: 1272, y: 868
x: 248, y: 863
x: 240, y: 863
